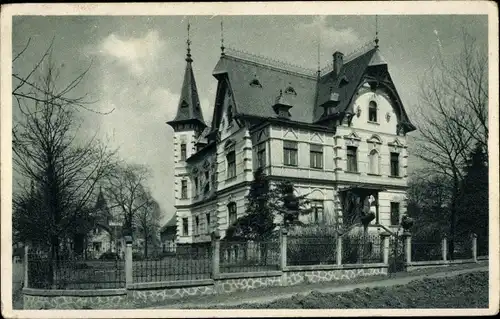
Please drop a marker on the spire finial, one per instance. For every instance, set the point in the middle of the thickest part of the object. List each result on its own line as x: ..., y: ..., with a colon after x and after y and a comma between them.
x: 188, y: 42
x: 376, y: 31
x: 222, y: 35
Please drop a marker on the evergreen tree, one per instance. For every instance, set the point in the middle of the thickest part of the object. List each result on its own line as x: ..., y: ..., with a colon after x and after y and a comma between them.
x: 264, y: 203
x: 473, y: 200
x: 258, y: 221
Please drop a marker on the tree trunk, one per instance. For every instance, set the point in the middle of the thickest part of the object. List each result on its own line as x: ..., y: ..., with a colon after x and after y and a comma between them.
x: 145, y: 247
x: 453, y: 215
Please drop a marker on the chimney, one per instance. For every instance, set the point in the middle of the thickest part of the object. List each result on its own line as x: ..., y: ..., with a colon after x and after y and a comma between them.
x: 338, y: 61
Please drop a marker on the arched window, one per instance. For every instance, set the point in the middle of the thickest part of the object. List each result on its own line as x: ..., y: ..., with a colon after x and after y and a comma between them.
x: 372, y: 111
x: 374, y: 162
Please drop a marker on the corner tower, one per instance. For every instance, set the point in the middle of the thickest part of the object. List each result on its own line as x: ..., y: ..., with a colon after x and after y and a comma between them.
x: 188, y: 125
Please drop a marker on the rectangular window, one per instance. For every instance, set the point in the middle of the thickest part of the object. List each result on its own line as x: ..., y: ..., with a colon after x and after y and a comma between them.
x: 195, y: 186
x: 261, y: 155
x: 352, y: 159
x: 197, y: 225
x: 231, y: 207
x: 209, y: 228
x: 394, y: 164
x: 394, y: 213
x: 231, y: 164
x: 207, y: 183
x: 185, y: 227
x: 214, y: 180
x: 290, y: 153
x: 317, y: 213
x: 184, y: 189
x: 183, y: 152
x: 316, y: 156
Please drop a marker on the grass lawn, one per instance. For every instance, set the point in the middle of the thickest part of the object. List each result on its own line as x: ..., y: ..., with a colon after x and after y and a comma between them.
x: 461, y: 291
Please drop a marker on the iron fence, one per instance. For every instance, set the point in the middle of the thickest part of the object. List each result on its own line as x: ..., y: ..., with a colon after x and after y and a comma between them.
x: 250, y: 256
x: 43, y: 273
x: 185, y: 264
x: 462, y: 249
x: 362, y: 249
x: 308, y: 250
x: 426, y: 250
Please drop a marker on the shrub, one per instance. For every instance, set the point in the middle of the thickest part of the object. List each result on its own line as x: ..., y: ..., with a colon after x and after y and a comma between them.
x: 109, y: 255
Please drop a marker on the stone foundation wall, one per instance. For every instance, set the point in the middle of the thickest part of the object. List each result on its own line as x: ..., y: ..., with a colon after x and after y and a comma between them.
x: 223, y: 284
x: 74, y: 302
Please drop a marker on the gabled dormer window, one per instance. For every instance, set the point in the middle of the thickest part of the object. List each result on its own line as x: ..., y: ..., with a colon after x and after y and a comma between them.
x: 290, y: 90
x: 255, y: 82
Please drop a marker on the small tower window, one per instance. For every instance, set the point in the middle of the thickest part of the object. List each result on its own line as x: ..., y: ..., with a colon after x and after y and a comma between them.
x: 184, y: 104
x: 372, y: 112
x: 183, y: 152
x: 255, y: 82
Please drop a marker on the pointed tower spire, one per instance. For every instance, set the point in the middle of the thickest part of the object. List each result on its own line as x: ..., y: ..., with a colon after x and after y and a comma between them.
x: 222, y: 35
x: 189, y: 109
x: 376, y: 31
x: 188, y: 42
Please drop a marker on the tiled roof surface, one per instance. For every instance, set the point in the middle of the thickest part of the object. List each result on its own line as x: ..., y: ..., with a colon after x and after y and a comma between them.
x: 258, y: 100
x: 189, y: 103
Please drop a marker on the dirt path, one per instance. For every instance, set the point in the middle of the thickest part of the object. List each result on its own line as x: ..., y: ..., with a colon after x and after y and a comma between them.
x: 275, y: 293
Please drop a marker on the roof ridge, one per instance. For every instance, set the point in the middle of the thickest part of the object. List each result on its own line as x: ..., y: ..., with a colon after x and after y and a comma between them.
x: 351, y: 56
x: 270, y: 62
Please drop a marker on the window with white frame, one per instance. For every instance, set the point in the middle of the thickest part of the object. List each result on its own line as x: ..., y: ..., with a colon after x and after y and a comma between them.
x: 352, y: 159
x: 232, y: 214
x: 184, y: 189
x: 394, y: 213
x: 290, y: 153
x: 316, y: 156
x: 372, y: 111
x: 317, y: 211
x: 394, y: 164
x: 261, y: 155
x: 185, y: 227
x: 231, y: 164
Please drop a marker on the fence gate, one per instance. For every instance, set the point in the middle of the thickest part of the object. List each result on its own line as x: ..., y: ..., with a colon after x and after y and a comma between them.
x: 396, y: 254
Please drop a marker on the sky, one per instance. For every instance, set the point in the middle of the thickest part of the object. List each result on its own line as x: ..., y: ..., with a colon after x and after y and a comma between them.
x: 137, y: 65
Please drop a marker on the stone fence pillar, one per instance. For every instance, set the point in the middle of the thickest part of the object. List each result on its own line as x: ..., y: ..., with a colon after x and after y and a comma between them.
x: 384, y: 239
x: 474, y: 247
x: 128, y: 261
x: 283, y: 248
x: 339, y: 248
x: 26, y: 261
x: 215, y: 253
x: 444, y: 248
x: 407, y: 246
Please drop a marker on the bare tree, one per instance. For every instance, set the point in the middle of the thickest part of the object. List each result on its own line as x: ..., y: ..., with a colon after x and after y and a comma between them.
x: 452, y: 116
x: 126, y: 191
x: 57, y: 168
x: 147, y: 221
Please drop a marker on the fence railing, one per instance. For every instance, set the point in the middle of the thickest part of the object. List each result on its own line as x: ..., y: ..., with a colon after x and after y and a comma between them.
x: 357, y: 249
x: 252, y: 256
x: 75, y: 274
x: 187, y: 264
x: 222, y: 256
x: 308, y: 250
x: 426, y: 250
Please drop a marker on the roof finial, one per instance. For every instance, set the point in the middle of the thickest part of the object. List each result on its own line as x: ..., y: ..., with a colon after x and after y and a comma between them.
x: 188, y: 56
x: 222, y: 35
x: 376, y: 31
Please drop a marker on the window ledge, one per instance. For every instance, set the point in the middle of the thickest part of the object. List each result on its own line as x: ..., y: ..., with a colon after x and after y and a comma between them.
x: 371, y: 122
x: 373, y: 174
x: 230, y: 179
x: 291, y: 165
x: 353, y: 172
x: 393, y: 176
x: 316, y: 168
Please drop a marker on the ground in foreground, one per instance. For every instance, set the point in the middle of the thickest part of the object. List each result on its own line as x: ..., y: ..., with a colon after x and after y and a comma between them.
x: 461, y: 291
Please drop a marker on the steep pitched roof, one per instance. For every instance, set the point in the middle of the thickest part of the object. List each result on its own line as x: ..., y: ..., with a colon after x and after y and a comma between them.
x: 189, y: 107
x: 256, y: 86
